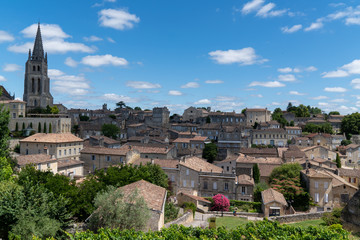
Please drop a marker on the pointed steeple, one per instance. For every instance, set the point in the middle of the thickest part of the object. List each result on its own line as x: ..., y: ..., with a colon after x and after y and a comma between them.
x: 38, y: 51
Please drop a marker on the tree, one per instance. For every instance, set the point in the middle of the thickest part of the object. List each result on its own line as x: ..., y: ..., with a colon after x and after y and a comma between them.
x: 113, y: 210
x: 350, y: 125
x: 31, y: 125
x: 210, y: 152
x: 54, y: 110
x: 258, y: 189
x: 16, y: 127
x: 278, y: 116
x: 75, y: 129
x: 338, y: 161
x: 334, y: 113
x: 289, y: 107
x: 208, y: 119
x: 345, y: 142
x: 50, y: 128
x: 243, y: 111
x: 44, y: 130
x: 84, y: 118
x: 137, y: 108
x: 256, y: 173
x: 121, y: 104
x: 220, y: 203
x: 5, y: 169
x: 110, y: 130
x: 4, y: 131
x: 23, y: 126
x: 39, y: 127
x: 302, y: 111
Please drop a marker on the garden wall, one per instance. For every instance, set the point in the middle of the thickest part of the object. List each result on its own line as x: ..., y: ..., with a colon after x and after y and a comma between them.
x: 186, y: 218
x: 297, y: 217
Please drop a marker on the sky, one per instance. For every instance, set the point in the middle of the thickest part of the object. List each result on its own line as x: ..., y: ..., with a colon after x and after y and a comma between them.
x: 226, y: 55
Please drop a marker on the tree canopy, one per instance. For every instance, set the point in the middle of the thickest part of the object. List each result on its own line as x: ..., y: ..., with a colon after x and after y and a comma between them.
x: 350, y: 125
x: 318, y: 128
x: 110, y: 130
x: 210, y: 152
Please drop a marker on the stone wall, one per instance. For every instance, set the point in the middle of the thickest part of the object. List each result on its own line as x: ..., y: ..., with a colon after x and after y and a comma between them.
x: 186, y: 218
x: 250, y: 214
x: 297, y: 217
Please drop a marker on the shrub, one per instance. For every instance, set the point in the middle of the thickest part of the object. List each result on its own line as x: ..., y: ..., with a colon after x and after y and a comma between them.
x: 189, y: 206
x: 171, y: 212
x: 221, y: 203
x: 246, y: 206
x: 334, y: 217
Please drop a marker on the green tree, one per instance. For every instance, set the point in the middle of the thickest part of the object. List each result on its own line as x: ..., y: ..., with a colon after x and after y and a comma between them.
x: 258, y: 189
x: 113, y: 210
x: 256, y: 173
x: 44, y: 130
x: 277, y: 115
x: 50, y: 128
x: 137, y: 108
x: 5, y: 169
x: 110, y: 130
x: 350, y: 125
x: 208, y: 119
x: 121, y: 104
x: 39, y: 127
x: 75, y: 129
x: 334, y: 113
x: 84, y: 118
x: 16, y: 127
x: 54, y: 110
x: 4, y: 131
x: 210, y: 152
x: 31, y: 125
x: 302, y: 111
x: 23, y: 126
x: 338, y: 161
x: 345, y: 142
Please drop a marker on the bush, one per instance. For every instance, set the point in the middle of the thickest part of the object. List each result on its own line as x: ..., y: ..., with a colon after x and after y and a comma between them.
x: 334, y: 217
x: 246, y: 206
x: 171, y: 212
x: 17, y: 148
x: 189, y: 206
x: 220, y: 203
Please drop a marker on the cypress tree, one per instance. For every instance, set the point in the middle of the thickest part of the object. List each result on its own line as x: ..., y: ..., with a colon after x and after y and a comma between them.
x: 50, y: 128
x: 16, y: 127
x: 256, y: 173
x: 338, y: 162
x: 31, y: 126
x: 44, y: 127
x: 39, y: 127
x: 23, y: 126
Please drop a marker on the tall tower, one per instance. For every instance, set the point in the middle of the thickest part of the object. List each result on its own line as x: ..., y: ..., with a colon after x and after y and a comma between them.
x: 37, y: 83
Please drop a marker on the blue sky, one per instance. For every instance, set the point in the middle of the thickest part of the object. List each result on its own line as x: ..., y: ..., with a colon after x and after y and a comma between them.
x: 224, y: 54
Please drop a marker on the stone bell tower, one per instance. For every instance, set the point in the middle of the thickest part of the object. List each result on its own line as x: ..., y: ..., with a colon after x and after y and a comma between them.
x: 37, y: 83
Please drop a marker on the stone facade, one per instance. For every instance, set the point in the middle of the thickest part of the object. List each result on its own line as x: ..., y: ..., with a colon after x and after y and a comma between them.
x: 58, y: 125
x: 160, y: 117
x: 191, y: 114
x: 274, y: 137
x: 16, y: 108
x: 257, y: 115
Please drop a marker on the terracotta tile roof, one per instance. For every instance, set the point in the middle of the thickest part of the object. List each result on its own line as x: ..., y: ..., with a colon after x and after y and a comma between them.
x: 52, y: 138
x: 266, y: 169
x: 334, y: 120
x: 210, y: 126
x: 107, y: 140
x: 153, y: 195
x: 293, y: 128
x: 272, y: 130
x: 188, y: 140
x: 244, y: 179
x: 197, y: 198
x: 270, y: 195
x: 352, y: 145
x: 339, y: 181
x: 105, y: 151
x: 23, y: 160
x: 163, y: 163
x: 148, y: 148
x: 260, y: 160
x: 294, y: 154
x: 313, y: 147
x: 349, y: 172
x: 256, y: 109
x: 69, y: 162
x: 325, y: 135
x: 315, y: 173
x: 259, y: 151
x: 199, y: 164
x: 11, y: 101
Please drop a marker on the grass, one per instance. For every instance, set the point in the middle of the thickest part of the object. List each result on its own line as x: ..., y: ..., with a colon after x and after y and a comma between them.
x: 230, y: 222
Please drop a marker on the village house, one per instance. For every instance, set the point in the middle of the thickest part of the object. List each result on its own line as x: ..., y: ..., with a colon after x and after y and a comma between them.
x: 201, y: 203
x: 245, y: 164
x: 301, y: 142
x: 59, y: 145
x: 273, y: 203
x: 227, y: 118
x: 269, y: 125
x: 352, y: 176
x: 152, y: 150
x: 244, y: 188
x: 230, y: 141
x: 210, y: 130
x: 274, y: 137
x: 260, y: 152
x: 321, y: 139
x: 103, y: 141
x: 319, y: 152
x: 17, y: 108
x: 293, y: 154
x: 191, y: 114
x: 190, y: 146
x: 353, y: 155
x: 258, y: 115
x: 293, y: 132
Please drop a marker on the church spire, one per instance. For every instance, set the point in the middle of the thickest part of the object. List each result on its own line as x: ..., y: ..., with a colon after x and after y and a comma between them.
x: 38, y: 51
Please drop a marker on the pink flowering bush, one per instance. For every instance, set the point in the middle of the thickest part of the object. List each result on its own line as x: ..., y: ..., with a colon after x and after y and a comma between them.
x: 220, y: 203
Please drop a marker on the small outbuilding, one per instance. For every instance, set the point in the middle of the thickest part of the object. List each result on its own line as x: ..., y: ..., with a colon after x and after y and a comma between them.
x: 273, y: 203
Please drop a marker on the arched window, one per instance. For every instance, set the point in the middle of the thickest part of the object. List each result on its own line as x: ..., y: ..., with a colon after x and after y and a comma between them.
x: 39, y: 86
x: 39, y: 68
x: 33, y: 85
x: 34, y: 68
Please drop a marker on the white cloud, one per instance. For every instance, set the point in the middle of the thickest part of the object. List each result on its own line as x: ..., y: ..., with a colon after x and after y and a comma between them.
x: 311, y: 69
x: 314, y: 26
x: 6, y: 37
x: 335, y: 74
x: 93, y: 39
x: 245, y: 56
x: 191, y: 85
x: 252, y: 6
x: 111, y: 40
x: 323, y: 104
x: 75, y: 85
x: 225, y: 98
x: 292, y: 29
x: 287, y: 78
x: 267, y: 84
x: 352, y: 21
x: 264, y: 10
x: 112, y: 97
x: 345, y: 70
x: 203, y: 101
x: 296, y: 93
x: 319, y: 98
x: 53, y: 39
x: 296, y: 70
x: 335, y: 89
x: 11, y: 68
x: 2, y: 79
x: 285, y: 70
x: 355, y: 83
x: 142, y: 85
x: 214, y: 81
x: 100, y: 60
x: 70, y: 62
x: 339, y: 100
x: 175, y: 93
x: 257, y: 95
x: 117, y: 19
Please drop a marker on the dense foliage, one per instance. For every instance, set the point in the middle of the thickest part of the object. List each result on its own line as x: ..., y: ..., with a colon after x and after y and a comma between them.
x: 277, y: 115
x: 318, y: 128
x: 345, y: 142
x: 256, y: 173
x: 333, y: 217
x: 253, y: 230
x: 114, y: 211
x: 350, y: 125
x: 245, y: 206
x: 110, y: 130
x: 302, y: 110
x: 210, y: 152
x: 171, y: 211
x: 338, y: 161
x: 220, y: 203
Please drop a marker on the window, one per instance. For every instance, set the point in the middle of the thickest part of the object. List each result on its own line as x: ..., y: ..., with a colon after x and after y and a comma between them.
x: 172, y: 178
x: 326, y: 185
x: 226, y: 186
x: 243, y: 190
x: 214, y: 185
x: 39, y: 166
x: 14, y: 115
x: 192, y: 183
x: 65, y: 152
x: 74, y: 150
x: 227, y: 168
x: 326, y: 198
x: 92, y: 157
x: 27, y: 151
x: 184, y: 183
x: 187, y: 171
x: 59, y: 152
x: 121, y: 159
x: 316, y: 184
x: 108, y: 158
x: 316, y: 197
x: 205, y: 185
x: 48, y: 165
x: 69, y: 151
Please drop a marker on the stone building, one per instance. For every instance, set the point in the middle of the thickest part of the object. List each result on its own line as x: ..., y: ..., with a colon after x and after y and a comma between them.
x: 352, y: 176
x: 16, y: 108
x: 37, y: 83
x: 258, y: 115
x: 191, y: 114
x: 56, y: 124
x: 160, y: 116
x: 227, y: 118
x: 275, y: 137
x: 273, y: 203
x: 152, y: 150
x: 5, y: 95
x: 319, y: 152
x: 293, y: 132
x: 190, y: 146
x: 58, y: 145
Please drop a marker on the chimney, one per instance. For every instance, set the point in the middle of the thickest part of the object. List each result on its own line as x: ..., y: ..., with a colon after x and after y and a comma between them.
x: 101, y: 142
x: 152, y: 161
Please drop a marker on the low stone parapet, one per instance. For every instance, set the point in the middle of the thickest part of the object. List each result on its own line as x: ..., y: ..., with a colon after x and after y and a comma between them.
x: 186, y: 218
x: 297, y: 217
